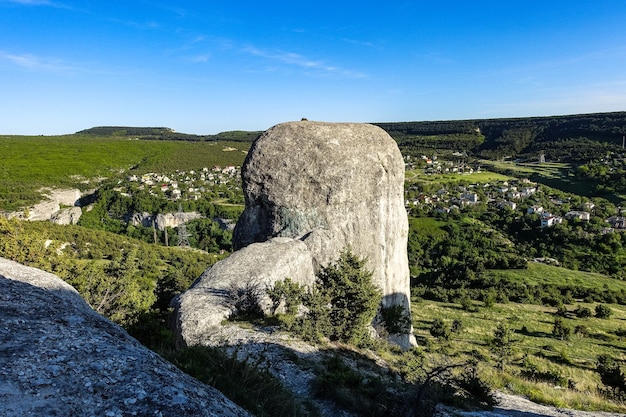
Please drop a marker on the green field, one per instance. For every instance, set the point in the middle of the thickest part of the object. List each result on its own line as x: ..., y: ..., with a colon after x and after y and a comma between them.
x: 29, y: 163
x: 417, y: 175
x: 538, y: 274
x: 570, y: 362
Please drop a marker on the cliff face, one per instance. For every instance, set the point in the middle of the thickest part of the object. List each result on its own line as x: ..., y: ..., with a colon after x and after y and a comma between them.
x: 59, y: 357
x: 311, y: 188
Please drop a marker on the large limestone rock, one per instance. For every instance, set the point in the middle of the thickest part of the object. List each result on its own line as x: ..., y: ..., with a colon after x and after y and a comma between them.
x: 327, y: 186
x: 206, y: 304
x: 331, y: 185
x: 60, y: 358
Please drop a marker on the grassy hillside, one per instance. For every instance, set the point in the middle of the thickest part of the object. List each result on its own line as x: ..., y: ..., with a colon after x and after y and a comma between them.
x: 541, y: 274
x: 542, y: 366
x: 32, y: 162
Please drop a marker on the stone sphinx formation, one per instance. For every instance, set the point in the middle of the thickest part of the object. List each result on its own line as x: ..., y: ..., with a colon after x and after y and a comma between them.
x: 311, y: 190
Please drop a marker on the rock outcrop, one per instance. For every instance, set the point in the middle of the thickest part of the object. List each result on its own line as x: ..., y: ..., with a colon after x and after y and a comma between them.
x: 325, y: 186
x: 66, y: 216
x: 60, y: 358
x: 50, y: 208
x: 161, y: 221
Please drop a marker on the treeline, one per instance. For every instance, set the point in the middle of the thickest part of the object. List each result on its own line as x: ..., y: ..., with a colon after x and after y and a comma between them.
x: 572, y: 137
x: 166, y: 133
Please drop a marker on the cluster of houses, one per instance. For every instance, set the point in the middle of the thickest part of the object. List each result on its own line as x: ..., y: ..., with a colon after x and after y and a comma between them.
x: 505, y: 196
x: 187, y: 185
x: 436, y: 166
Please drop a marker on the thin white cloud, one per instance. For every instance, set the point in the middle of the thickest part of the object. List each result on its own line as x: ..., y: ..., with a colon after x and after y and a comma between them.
x: 362, y: 43
x: 37, y: 3
x: 35, y: 63
x: 303, y: 62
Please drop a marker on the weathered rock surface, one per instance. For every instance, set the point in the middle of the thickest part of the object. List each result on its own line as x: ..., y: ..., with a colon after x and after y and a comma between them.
x: 48, y: 208
x: 328, y: 186
x: 59, y: 358
x: 66, y: 216
x: 202, y: 308
x: 161, y: 221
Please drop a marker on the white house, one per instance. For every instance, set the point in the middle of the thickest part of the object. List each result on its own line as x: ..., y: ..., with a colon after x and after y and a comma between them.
x: 580, y: 215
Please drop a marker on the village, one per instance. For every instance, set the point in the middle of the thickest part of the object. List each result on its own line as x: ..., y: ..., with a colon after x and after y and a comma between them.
x: 184, y: 185
x: 519, y: 196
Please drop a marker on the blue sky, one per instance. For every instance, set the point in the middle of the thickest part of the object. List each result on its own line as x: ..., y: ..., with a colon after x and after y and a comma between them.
x: 209, y: 66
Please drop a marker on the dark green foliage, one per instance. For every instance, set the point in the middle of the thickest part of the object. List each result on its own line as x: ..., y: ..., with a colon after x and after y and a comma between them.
x: 440, y: 329
x: 581, y: 330
x: 603, y: 312
x: 582, y: 312
x: 457, y: 326
x: 612, y: 375
x: 289, y: 293
x: 340, y: 306
x: 478, y: 389
x: 502, y: 345
x: 550, y: 376
x: 395, y: 319
x: 243, y: 301
x: 560, y: 330
x: 352, y: 297
x: 244, y: 382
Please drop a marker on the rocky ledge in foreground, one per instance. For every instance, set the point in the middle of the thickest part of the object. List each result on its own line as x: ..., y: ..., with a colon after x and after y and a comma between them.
x: 60, y: 358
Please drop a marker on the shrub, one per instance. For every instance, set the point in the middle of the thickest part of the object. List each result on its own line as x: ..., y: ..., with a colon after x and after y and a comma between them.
x: 581, y: 330
x: 457, y: 326
x: 289, y: 293
x: 340, y: 306
x: 603, y: 312
x: 244, y: 301
x: 582, y: 312
x: 352, y: 297
x: 560, y: 330
x: 440, y: 329
x: 611, y: 374
x: 502, y: 345
x: 395, y: 319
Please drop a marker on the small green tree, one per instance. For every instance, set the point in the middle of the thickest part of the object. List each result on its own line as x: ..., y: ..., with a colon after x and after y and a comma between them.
x: 603, y: 312
x: 287, y: 292
x: 341, y: 305
x: 440, y: 329
x: 353, y: 298
x: 502, y: 345
x: 611, y: 374
x: 560, y: 330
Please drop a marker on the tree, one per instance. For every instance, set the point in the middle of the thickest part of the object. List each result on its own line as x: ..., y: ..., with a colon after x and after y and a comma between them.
x: 560, y: 330
x: 603, y: 312
x: 611, y: 374
x: 353, y: 298
x: 502, y: 345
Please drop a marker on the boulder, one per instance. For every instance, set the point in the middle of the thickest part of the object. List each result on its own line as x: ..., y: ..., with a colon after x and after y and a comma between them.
x: 60, y: 358
x: 70, y: 215
x: 254, y: 268
x: 330, y: 186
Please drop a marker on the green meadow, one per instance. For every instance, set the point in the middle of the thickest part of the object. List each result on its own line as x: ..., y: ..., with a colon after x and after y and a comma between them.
x: 29, y: 163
